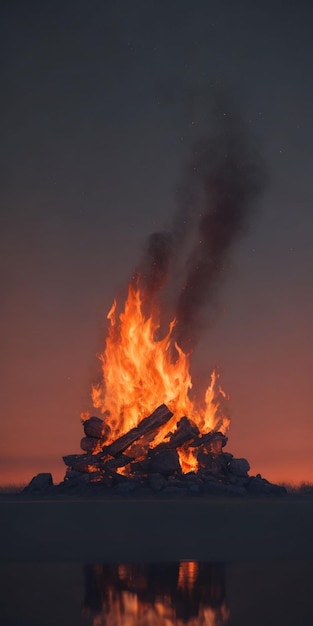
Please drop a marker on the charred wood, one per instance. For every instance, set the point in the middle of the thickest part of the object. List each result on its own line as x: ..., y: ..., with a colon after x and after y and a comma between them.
x: 155, y: 469
x: 83, y: 462
x: 119, y: 461
x: 215, y: 446
x: 211, y: 441
x: 141, y: 467
x: 71, y: 459
x: 159, y: 417
x: 213, y: 463
x: 139, y: 447
x: 76, y: 479
x: 186, y: 431
x: 82, y: 466
x: 165, y: 462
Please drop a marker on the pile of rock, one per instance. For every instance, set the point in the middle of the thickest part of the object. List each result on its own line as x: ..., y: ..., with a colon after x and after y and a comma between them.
x: 132, y: 464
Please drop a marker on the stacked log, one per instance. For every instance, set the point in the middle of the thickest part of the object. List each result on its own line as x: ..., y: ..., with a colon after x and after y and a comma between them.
x: 133, y: 462
x: 153, y: 422
x: 96, y: 433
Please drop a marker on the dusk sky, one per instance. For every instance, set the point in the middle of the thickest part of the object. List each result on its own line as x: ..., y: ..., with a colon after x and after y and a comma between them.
x: 102, y: 105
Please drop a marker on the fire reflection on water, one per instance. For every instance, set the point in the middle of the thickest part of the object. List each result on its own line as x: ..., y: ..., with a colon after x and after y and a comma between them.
x: 185, y: 594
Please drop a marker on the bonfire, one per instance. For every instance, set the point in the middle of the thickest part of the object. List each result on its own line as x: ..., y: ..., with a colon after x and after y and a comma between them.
x: 137, y: 443
x: 151, y: 429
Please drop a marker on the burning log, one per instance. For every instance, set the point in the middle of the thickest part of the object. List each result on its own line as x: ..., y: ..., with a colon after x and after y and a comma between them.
x: 186, y: 431
x: 82, y: 462
x: 140, y: 467
x: 71, y: 459
x: 119, y: 461
x: 160, y: 460
x: 139, y: 447
x: 213, y: 442
x: 164, y: 468
x: 216, y: 444
x: 214, y: 464
x: 159, y: 417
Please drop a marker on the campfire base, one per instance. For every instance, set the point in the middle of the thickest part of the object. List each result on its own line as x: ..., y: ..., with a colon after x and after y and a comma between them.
x: 197, y: 484
x: 133, y: 465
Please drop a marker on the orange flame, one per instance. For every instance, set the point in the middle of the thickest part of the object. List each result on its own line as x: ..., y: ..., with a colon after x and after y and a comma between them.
x: 139, y: 373
x: 187, y: 459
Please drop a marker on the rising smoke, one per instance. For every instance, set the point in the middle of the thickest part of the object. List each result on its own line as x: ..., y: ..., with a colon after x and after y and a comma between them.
x: 222, y: 181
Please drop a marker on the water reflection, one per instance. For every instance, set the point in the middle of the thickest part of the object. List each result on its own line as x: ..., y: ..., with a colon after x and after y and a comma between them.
x: 186, y: 593
x: 251, y: 592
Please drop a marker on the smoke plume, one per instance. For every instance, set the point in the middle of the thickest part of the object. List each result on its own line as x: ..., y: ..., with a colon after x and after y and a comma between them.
x: 221, y: 184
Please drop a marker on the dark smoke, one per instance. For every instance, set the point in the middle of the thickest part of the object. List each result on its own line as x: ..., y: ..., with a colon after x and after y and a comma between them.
x: 221, y: 184
x: 155, y: 265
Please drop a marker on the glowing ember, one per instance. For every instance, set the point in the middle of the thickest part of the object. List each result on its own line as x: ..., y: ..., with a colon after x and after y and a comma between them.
x: 140, y: 371
x: 187, y: 460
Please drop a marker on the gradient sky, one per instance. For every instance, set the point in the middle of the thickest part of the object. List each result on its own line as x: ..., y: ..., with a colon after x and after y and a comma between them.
x: 101, y: 104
